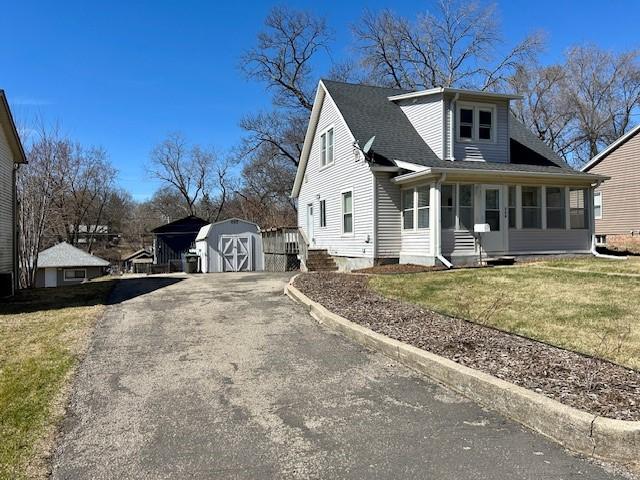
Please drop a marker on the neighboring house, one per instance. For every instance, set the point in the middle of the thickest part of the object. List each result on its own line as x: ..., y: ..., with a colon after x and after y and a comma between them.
x: 11, y: 155
x: 172, y: 241
x: 99, y: 233
x: 64, y: 264
x: 232, y: 245
x: 617, y: 201
x: 442, y: 161
x: 138, y: 262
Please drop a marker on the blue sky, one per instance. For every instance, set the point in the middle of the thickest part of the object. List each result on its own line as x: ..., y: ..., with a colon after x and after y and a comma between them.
x: 122, y: 74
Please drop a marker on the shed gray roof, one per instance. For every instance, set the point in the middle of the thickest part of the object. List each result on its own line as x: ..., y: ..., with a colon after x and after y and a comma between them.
x: 368, y: 112
x: 65, y: 255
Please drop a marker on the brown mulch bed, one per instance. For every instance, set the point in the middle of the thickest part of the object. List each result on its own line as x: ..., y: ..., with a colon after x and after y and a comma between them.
x: 398, y: 268
x: 589, y: 384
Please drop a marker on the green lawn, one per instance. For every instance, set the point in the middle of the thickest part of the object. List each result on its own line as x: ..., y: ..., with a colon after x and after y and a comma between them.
x: 42, y: 334
x: 586, y: 312
x: 593, y: 264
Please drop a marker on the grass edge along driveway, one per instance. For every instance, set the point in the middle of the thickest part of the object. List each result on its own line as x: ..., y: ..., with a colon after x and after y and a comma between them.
x: 43, y: 334
x: 590, y: 313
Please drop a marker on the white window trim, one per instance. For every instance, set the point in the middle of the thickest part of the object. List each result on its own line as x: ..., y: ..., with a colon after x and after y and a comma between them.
x: 598, y: 194
x: 476, y: 107
x: 413, y: 209
x: 74, y: 279
x: 333, y: 151
x: 343, y: 213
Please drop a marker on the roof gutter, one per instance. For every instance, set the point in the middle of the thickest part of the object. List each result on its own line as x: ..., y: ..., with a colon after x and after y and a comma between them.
x: 435, y: 170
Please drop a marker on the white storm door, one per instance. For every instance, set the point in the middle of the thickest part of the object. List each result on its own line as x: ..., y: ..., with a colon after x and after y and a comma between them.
x: 310, y: 223
x: 50, y: 277
x: 228, y: 253
x: 243, y: 254
x: 493, y: 206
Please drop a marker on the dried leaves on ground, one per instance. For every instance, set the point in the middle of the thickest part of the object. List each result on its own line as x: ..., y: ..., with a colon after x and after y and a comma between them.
x: 579, y: 381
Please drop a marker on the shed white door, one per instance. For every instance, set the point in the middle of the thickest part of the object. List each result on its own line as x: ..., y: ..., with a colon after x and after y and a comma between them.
x: 236, y: 253
x: 493, y: 203
x: 50, y: 277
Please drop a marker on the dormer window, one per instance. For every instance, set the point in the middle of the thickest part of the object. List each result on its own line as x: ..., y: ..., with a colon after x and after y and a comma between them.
x: 466, y: 123
x: 326, y: 147
x: 476, y: 123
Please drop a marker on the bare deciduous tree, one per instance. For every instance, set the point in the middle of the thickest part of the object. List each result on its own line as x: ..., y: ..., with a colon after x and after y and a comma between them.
x: 583, y: 104
x: 455, y: 46
x: 37, y: 185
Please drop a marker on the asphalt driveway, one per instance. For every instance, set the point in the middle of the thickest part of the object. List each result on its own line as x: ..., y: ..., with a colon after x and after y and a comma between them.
x: 221, y: 376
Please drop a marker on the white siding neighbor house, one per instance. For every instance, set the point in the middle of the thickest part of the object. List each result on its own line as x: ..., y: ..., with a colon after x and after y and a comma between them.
x: 11, y: 156
x: 232, y: 245
x: 440, y: 162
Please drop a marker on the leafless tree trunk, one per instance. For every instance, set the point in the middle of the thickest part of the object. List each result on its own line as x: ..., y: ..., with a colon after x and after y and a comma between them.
x: 37, y: 186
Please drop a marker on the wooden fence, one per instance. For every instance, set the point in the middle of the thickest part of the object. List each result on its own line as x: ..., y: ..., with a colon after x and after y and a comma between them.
x: 280, y: 247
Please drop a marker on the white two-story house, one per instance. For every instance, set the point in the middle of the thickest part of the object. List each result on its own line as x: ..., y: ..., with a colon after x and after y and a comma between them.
x: 442, y: 161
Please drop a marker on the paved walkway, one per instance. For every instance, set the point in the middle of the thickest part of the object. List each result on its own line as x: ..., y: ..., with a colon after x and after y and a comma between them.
x: 221, y: 376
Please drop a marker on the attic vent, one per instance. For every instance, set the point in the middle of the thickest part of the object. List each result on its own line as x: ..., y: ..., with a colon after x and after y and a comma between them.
x: 471, y: 152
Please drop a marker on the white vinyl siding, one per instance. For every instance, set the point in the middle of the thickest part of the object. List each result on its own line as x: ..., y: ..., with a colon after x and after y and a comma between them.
x: 328, y: 184
x: 388, y: 224
x: 549, y: 241
x: 6, y: 205
x: 426, y: 114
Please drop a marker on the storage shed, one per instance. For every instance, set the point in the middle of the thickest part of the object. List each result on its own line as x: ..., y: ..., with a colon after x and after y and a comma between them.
x: 232, y: 245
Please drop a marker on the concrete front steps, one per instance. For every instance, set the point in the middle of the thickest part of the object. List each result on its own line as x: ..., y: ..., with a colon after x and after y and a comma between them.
x: 320, y: 261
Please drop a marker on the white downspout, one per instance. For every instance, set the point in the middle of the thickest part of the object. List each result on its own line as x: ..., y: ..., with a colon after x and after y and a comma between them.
x: 594, y: 251
x: 438, y: 230
x: 452, y: 115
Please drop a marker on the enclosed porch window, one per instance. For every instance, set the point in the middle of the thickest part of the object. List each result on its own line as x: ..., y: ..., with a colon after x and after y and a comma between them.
x: 556, y: 213
x: 578, y: 210
x: 457, y: 206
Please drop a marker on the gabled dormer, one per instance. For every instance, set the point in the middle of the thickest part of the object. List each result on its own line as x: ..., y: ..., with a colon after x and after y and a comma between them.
x: 460, y: 124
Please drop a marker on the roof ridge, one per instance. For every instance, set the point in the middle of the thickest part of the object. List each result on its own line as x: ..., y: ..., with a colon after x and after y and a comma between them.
x: 324, y: 80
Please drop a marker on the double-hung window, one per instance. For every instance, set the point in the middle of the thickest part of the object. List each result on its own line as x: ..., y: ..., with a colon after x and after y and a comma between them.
x: 531, y: 207
x: 347, y: 212
x: 465, y: 131
x: 422, y: 208
x: 597, y: 205
x: 326, y: 148
x: 556, y: 213
x: 323, y: 213
x: 407, y: 209
x: 578, y: 208
x: 476, y: 123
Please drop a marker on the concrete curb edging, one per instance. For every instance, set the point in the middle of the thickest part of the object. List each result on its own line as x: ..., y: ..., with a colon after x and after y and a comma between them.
x: 579, y: 431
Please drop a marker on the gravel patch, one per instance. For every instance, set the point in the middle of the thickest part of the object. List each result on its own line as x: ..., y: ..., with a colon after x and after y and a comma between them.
x: 576, y: 380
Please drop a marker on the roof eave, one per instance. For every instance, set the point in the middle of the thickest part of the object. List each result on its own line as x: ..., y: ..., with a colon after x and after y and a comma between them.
x: 433, y: 91
x: 595, y: 160
x: 429, y: 172
x: 14, y: 138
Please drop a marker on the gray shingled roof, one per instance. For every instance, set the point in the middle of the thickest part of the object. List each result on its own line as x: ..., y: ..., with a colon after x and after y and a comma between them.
x: 368, y: 112
x: 65, y: 255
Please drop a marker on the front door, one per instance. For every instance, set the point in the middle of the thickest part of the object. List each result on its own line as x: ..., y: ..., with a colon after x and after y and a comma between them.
x: 493, y: 204
x: 310, y: 223
x: 236, y: 253
x: 50, y: 277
